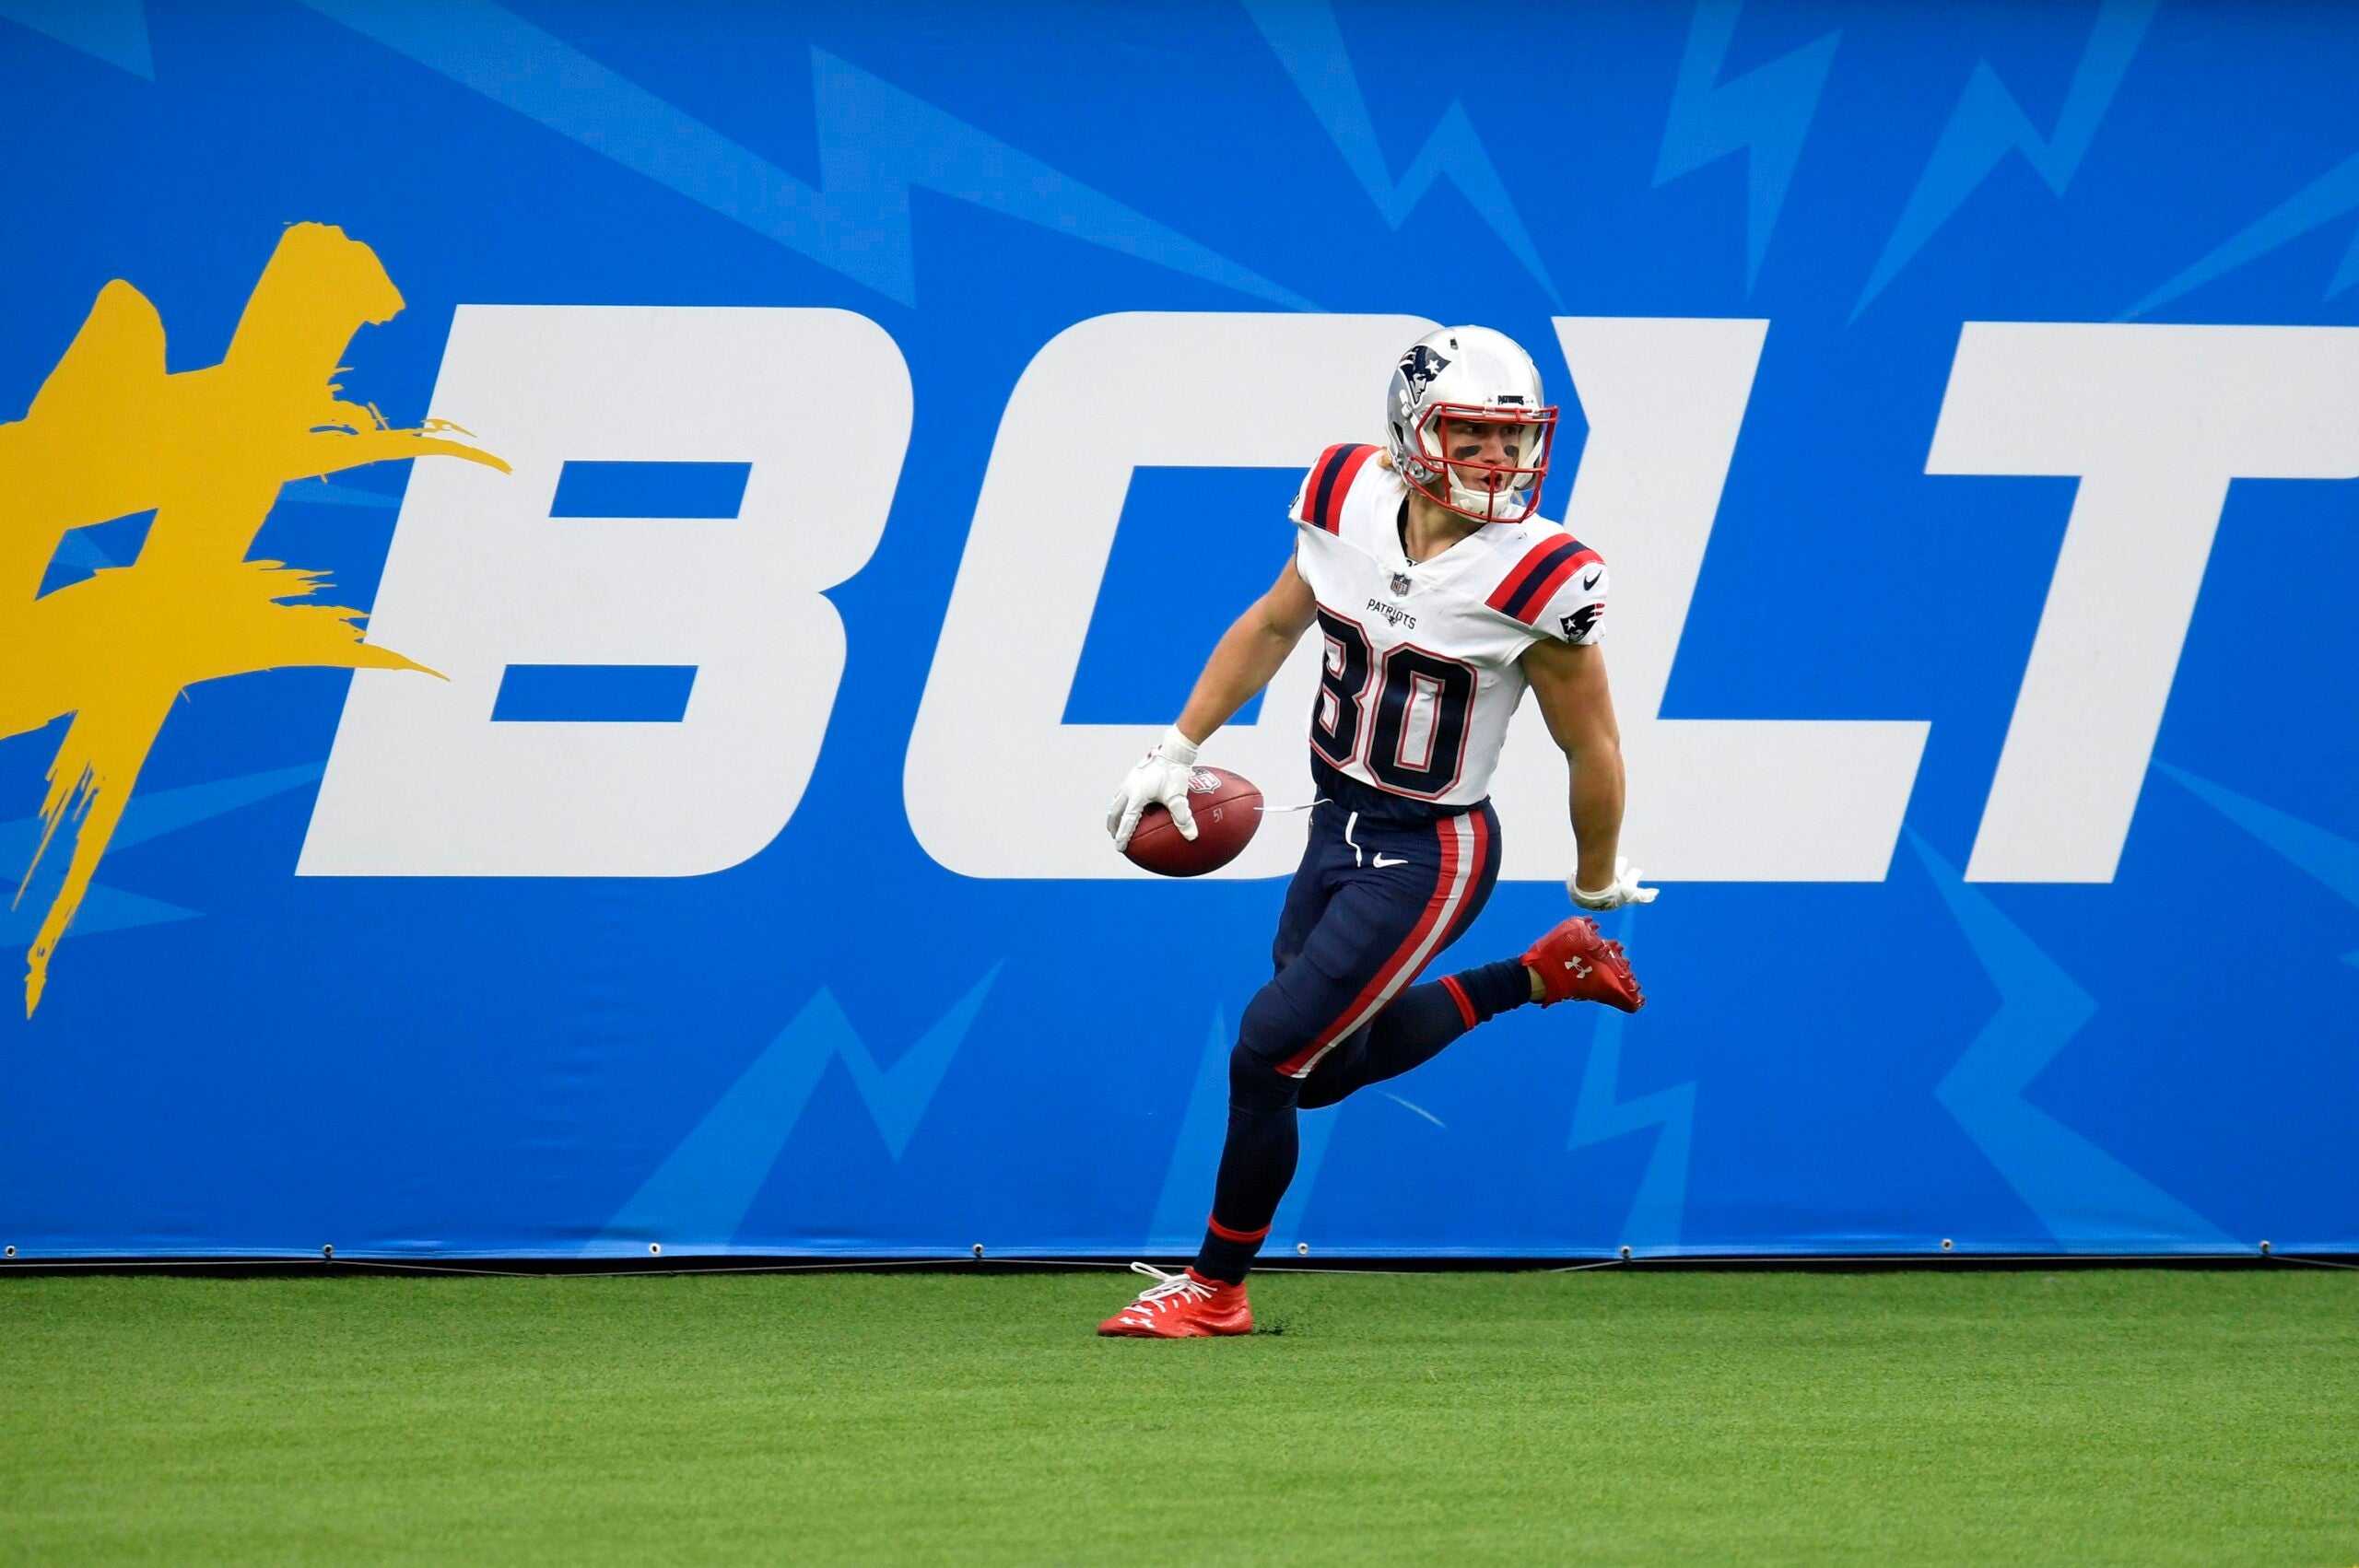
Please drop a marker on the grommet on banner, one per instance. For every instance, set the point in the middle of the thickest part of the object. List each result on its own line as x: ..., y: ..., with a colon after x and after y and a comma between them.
x: 1947, y: 1245
x: 1625, y: 1253
x: 1302, y: 1249
x: 654, y: 1249
x: 2264, y: 1249
x: 978, y: 1250
x: 328, y: 1252
x: 12, y: 1252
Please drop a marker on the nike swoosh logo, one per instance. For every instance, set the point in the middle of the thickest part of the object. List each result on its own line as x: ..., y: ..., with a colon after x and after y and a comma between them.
x: 1590, y: 582
x: 1380, y: 862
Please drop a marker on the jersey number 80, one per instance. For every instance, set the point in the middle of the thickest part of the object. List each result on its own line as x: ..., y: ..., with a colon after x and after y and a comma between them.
x: 1414, y: 741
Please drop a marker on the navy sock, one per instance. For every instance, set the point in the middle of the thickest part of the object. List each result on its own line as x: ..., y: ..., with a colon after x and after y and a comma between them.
x: 1256, y: 1164
x: 1414, y: 1028
x: 1493, y: 988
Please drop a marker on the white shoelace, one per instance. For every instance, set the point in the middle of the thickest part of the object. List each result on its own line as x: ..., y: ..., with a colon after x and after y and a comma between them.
x: 1169, y: 1290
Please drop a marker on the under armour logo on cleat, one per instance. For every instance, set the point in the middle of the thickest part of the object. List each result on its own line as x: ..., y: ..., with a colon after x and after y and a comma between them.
x: 1579, y: 966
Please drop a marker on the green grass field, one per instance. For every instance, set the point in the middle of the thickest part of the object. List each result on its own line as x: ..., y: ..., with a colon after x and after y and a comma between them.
x: 2110, y: 1416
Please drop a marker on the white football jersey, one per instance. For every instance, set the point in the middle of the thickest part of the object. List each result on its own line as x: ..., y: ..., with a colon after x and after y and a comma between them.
x: 1421, y: 673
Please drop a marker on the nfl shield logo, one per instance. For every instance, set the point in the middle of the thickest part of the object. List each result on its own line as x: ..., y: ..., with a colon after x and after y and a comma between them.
x: 1400, y: 585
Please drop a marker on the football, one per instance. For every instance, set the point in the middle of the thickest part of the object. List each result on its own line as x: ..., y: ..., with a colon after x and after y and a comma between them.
x: 1227, y: 810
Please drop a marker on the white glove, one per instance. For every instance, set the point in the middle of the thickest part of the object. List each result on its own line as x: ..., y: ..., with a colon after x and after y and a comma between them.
x: 1160, y: 779
x: 1625, y: 889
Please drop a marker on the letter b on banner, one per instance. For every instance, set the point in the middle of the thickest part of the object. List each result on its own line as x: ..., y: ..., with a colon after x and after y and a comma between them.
x: 438, y: 778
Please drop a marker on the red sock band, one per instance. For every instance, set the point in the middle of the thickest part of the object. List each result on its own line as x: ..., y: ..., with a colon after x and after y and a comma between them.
x: 1458, y: 994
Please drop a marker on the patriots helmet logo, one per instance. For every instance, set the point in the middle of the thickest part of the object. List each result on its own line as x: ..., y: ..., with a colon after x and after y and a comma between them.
x: 1420, y: 366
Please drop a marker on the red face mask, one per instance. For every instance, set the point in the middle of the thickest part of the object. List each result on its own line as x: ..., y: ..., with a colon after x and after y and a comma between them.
x: 1488, y: 460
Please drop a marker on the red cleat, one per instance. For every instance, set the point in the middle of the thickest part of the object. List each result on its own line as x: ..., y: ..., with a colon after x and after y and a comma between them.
x: 1181, y: 1306
x: 1575, y: 964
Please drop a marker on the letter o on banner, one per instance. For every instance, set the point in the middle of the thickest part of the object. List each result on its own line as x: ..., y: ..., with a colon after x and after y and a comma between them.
x: 1103, y: 397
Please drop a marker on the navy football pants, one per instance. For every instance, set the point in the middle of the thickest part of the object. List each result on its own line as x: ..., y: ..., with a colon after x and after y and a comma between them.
x: 1371, y: 905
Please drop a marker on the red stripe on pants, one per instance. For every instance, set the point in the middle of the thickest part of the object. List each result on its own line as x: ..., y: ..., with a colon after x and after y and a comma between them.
x: 1300, y: 1063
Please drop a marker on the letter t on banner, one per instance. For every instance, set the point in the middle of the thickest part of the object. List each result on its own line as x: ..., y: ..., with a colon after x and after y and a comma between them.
x: 2154, y: 421
x: 427, y: 779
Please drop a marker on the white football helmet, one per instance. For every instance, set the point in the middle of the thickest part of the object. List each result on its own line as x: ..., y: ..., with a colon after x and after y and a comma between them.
x: 1450, y: 384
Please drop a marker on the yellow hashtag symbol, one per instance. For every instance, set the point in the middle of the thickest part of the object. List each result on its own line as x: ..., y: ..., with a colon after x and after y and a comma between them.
x: 111, y: 434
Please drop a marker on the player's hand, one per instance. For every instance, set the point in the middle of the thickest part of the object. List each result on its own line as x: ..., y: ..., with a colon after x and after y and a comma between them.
x: 1624, y: 890
x: 1160, y: 779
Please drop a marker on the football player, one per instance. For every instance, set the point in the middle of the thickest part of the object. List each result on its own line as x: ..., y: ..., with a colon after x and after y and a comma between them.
x: 1440, y: 595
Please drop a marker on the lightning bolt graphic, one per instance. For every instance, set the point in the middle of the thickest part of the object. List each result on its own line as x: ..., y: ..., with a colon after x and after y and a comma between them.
x: 81, y: 551
x: 2082, y: 1195
x: 2323, y: 200
x: 112, y: 31
x: 1989, y: 123
x: 1660, y: 1201
x: 875, y: 142
x: 1309, y: 45
x: 148, y: 816
x: 1187, y: 1195
x: 1179, y: 1223
x: 1766, y: 114
x: 321, y: 492
x: 698, y: 1195
x: 2329, y: 857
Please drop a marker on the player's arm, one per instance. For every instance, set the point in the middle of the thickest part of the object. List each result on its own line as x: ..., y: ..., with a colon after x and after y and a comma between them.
x: 1248, y: 654
x: 1568, y: 682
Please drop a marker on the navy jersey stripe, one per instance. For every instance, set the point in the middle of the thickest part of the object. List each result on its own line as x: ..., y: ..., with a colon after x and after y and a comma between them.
x: 1323, y: 480
x: 1322, y: 505
x: 1534, y: 573
x: 1557, y: 576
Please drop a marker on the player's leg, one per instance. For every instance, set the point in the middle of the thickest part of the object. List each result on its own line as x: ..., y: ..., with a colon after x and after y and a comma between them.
x: 1422, y: 1022
x: 1261, y: 1144
x: 1422, y: 1019
x: 1389, y: 911
x: 1359, y: 925
x: 1571, y: 962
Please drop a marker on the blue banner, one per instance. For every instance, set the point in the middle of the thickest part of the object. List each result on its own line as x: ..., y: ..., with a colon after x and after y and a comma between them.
x: 575, y: 580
